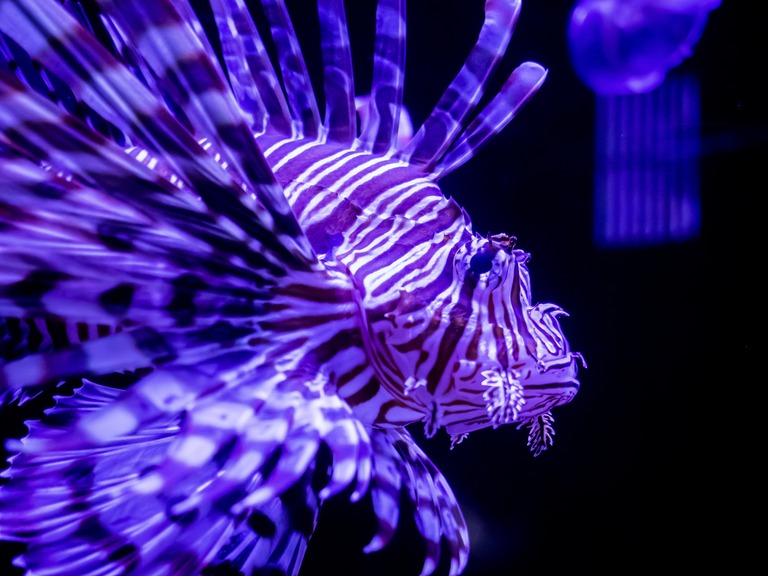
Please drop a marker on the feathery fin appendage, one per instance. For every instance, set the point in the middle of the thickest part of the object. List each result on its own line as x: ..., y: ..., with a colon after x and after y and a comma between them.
x: 50, y: 86
x: 541, y: 432
x: 120, y: 493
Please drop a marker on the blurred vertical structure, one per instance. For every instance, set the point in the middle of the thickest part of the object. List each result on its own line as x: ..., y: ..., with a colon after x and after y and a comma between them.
x: 647, y: 166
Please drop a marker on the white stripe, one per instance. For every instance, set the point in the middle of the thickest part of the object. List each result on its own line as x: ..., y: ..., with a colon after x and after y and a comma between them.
x: 420, y: 206
x: 346, y: 192
x: 429, y: 273
x: 301, y: 182
x: 294, y: 153
x: 314, y: 181
x: 380, y: 245
x: 336, y: 186
x: 272, y: 149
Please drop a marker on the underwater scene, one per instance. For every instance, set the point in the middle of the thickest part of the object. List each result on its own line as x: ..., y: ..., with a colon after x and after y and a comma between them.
x: 379, y: 287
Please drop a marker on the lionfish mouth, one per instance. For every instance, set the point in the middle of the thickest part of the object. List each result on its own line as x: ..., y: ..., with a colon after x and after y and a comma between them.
x: 495, y: 396
x: 480, y: 355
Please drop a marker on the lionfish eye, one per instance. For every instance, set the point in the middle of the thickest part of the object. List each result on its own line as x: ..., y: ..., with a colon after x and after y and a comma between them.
x: 482, y: 262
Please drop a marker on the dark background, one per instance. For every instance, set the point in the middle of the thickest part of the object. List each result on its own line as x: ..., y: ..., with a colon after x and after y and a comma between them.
x: 653, y: 465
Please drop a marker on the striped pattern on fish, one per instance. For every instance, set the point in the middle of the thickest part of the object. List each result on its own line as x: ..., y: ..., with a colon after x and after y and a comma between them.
x: 289, y: 291
x: 409, y: 246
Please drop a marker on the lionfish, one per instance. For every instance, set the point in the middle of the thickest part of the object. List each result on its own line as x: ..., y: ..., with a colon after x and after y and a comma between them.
x: 250, y: 303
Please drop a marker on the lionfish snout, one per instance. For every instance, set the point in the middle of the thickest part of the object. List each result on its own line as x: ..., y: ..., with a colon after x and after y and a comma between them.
x: 512, y: 377
x: 493, y: 392
x: 478, y: 353
x: 517, y: 363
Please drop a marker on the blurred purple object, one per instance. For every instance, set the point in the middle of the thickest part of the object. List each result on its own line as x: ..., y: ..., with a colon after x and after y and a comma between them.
x: 628, y: 46
x: 647, y: 166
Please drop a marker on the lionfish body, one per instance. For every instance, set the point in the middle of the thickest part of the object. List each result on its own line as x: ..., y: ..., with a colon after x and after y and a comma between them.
x: 253, y: 302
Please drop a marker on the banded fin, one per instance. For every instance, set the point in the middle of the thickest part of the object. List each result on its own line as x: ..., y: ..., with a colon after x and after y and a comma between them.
x: 340, y: 123
x: 382, y: 119
x: 397, y: 458
x: 174, y: 47
x: 519, y: 88
x: 96, y: 509
x: 447, y: 119
x: 250, y: 72
x: 296, y: 82
x: 120, y: 203
x: 274, y: 537
x: 21, y: 337
x: 51, y: 36
x: 14, y: 59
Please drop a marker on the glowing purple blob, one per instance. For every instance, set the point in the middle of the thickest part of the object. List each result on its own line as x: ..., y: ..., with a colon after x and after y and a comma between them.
x: 628, y: 47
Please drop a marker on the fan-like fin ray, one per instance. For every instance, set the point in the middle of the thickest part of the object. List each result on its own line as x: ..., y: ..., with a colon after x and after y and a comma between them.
x: 316, y: 418
x: 143, y: 491
x: 447, y: 119
x: 127, y: 350
x: 251, y: 74
x: 168, y: 37
x: 91, y: 522
x: 123, y: 227
x: 189, y: 16
x: 385, y: 489
x: 50, y: 85
x: 101, y: 243
x: 380, y: 129
x: 522, y: 84
x: 177, y: 55
x: 397, y: 458
x: 115, y: 301
x: 421, y: 492
x: 56, y: 224
x: 275, y: 536
x: 50, y: 35
x: 298, y: 87
x: 340, y: 116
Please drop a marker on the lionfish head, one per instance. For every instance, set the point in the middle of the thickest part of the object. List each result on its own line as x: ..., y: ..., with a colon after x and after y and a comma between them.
x: 512, y: 362
x: 481, y: 353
